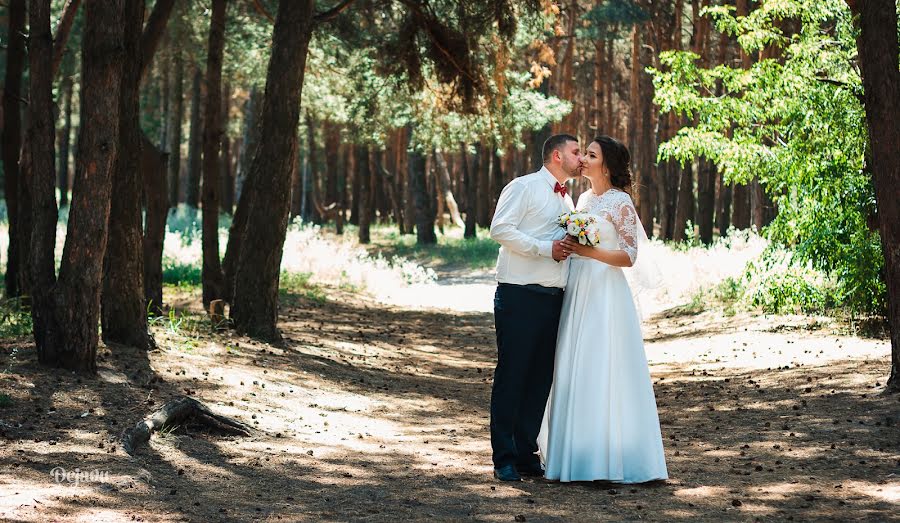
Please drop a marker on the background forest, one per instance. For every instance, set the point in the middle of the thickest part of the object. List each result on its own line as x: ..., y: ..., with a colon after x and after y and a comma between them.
x: 265, y: 223
x: 413, y: 116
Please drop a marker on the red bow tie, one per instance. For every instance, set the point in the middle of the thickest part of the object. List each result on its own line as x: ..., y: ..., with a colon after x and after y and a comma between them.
x: 561, y: 189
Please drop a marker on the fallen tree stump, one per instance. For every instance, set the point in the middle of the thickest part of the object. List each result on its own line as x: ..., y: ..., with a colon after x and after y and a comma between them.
x: 177, y: 412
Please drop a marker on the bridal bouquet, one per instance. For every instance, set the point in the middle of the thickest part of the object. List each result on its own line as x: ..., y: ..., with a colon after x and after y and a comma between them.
x: 582, y: 226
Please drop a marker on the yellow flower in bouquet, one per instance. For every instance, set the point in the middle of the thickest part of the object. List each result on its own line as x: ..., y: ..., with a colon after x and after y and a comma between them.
x: 581, y: 226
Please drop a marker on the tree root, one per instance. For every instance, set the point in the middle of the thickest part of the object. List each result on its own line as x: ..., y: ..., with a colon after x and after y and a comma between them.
x: 177, y: 412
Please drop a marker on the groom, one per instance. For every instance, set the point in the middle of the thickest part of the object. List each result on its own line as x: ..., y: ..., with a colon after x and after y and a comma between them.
x: 531, y: 274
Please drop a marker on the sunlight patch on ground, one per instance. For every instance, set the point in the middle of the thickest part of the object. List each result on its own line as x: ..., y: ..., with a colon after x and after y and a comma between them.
x: 889, y: 491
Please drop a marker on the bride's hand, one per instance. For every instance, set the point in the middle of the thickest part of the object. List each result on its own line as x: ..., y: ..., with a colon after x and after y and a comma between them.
x: 572, y: 246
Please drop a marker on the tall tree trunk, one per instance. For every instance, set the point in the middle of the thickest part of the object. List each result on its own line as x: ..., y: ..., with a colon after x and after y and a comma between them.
x: 176, y: 117
x: 332, y: 144
x: 363, y: 176
x: 67, y: 310
x: 153, y: 172
x: 249, y: 139
x: 469, y: 173
x: 374, y: 177
x: 723, y: 205
x: 66, y: 19
x: 706, y: 199
x: 164, y: 79
x: 12, y: 136
x: 684, y: 211
x: 483, y: 205
x: 123, y: 314
x: 447, y: 189
x: 255, y: 303
x: 227, y: 200
x: 740, y: 217
x: 195, y: 143
x: 213, y: 279
x: 341, y: 173
x: 153, y: 33
x: 41, y: 158
x: 645, y: 168
x: 878, y: 57
x: 634, y: 94
x: 422, y: 201
x: 298, y: 185
x: 65, y: 137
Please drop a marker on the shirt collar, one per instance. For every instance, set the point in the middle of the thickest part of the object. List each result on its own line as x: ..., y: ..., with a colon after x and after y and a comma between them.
x: 549, y: 177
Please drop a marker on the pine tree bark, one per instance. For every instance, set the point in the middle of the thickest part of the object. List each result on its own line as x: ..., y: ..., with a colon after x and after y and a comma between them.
x: 12, y: 136
x: 195, y: 143
x: 483, y: 200
x: 40, y: 152
x: 684, y: 210
x: 424, y: 206
x: 212, y: 277
x: 740, y: 201
x: 65, y: 137
x: 470, y: 173
x: 176, y: 117
x: 353, y: 169
x: 66, y: 19
x: 706, y: 199
x: 154, y: 166
x: 66, y: 311
x: 364, y: 206
x: 165, y: 99
x: 723, y: 205
x: 878, y: 58
x: 255, y: 307
x: 226, y: 201
x: 646, y: 189
x: 446, y: 188
x: 249, y: 139
x: 153, y: 32
x: 123, y: 310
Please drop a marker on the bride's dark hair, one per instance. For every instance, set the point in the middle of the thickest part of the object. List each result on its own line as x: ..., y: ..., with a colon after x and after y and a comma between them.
x: 617, y: 160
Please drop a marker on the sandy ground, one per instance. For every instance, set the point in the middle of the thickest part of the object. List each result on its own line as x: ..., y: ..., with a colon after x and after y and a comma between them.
x: 376, y: 410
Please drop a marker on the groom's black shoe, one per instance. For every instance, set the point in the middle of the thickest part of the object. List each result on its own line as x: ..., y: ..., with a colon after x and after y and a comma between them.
x: 507, y: 473
x: 533, y: 469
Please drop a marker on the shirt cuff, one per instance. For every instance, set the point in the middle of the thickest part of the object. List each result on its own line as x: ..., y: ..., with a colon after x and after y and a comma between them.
x: 545, y: 249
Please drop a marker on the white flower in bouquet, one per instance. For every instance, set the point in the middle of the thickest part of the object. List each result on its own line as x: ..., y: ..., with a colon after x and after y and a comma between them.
x: 581, y: 226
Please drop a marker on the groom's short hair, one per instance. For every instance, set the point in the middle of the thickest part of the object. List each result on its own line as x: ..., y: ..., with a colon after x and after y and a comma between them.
x: 555, y: 142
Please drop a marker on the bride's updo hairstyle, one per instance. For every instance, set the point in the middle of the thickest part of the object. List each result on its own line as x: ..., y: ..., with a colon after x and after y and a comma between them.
x: 617, y: 160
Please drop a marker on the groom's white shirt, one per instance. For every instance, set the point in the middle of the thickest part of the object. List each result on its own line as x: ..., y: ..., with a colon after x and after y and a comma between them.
x: 525, y: 225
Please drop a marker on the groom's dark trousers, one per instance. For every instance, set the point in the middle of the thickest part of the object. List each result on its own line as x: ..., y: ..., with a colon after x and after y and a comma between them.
x: 527, y: 319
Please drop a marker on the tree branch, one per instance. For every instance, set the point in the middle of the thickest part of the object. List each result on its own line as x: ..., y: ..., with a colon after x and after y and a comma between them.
x: 844, y: 85
x: 332, y: 13
x: 262, y: 10
x: 153, y: 32
x: 62, y: 33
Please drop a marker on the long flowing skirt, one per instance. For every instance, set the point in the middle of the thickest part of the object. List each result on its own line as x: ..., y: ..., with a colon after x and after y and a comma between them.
x: 601, y: 421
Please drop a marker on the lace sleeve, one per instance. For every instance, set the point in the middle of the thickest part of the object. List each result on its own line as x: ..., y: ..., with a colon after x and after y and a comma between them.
x: 625, y: 221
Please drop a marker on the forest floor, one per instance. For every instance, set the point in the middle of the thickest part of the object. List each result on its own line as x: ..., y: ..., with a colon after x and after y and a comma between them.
x: 371, y: 411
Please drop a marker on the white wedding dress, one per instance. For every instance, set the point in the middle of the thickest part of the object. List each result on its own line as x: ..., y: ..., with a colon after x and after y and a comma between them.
x: 601, y: 421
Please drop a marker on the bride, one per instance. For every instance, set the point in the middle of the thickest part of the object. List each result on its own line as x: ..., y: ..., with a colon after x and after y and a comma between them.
x: 601, y: 421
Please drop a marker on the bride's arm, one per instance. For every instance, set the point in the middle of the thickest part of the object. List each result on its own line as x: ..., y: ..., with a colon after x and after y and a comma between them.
x: 625, y: 222
x: 616, y: 258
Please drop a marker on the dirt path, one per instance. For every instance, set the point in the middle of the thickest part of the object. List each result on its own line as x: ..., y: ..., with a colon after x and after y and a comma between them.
x: 373, y: 412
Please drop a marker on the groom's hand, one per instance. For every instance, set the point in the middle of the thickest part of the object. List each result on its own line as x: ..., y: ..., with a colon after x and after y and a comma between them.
x: 560, y: 252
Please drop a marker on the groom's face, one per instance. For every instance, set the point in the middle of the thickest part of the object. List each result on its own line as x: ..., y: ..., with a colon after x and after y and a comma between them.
x: 572, y: 159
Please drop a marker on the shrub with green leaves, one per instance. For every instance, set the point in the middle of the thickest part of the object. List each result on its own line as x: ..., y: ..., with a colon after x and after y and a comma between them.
x: 795, y: 121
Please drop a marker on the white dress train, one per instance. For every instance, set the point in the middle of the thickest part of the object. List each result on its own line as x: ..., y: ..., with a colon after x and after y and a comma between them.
x: 601, y: 421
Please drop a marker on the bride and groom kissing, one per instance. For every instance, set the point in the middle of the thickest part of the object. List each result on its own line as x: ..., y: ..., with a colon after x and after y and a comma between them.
x: 572, y: 398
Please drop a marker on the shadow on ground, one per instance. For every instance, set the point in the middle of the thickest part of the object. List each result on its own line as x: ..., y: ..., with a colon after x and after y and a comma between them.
x: 380, y: 414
